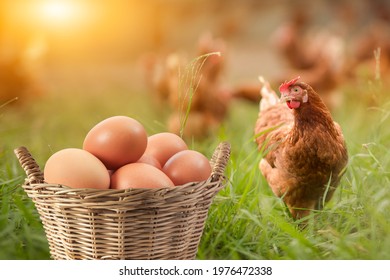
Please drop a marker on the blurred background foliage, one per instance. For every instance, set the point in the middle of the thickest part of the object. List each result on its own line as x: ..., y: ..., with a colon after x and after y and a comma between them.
x: 46, y: 45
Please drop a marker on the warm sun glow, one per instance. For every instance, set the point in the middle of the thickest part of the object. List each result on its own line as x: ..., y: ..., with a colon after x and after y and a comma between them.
x: 58, y: 10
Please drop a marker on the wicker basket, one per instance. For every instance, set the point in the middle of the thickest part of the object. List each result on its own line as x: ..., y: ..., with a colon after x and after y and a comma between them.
x: 164, y: 223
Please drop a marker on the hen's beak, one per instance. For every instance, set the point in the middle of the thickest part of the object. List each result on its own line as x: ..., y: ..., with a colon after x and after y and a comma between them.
x: 285, y: 98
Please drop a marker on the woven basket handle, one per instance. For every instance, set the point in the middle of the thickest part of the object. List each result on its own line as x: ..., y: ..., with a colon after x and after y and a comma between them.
x: 219, y: 160
x: 30, y: 166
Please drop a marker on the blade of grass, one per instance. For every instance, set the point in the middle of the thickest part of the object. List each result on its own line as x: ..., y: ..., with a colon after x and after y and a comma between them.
x: 189, y: 82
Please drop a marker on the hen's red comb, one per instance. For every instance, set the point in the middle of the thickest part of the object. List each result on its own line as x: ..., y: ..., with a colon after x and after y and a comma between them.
x: 284, y: 87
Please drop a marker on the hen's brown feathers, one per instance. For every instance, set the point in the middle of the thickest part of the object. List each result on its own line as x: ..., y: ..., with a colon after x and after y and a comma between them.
x: 305, y: 152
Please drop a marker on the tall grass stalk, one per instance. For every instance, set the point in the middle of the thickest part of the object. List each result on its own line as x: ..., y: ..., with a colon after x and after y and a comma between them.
x: 189, y: 81
x: 377, y: 56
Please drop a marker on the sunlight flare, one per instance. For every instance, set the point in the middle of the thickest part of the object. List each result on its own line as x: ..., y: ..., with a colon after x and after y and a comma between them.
x: 60, y: 12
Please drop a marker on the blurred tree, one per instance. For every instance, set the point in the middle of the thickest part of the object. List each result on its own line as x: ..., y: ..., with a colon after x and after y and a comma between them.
x: 17, y: 77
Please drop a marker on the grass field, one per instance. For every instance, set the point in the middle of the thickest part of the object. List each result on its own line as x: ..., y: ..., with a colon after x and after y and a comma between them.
x: 245, y: 220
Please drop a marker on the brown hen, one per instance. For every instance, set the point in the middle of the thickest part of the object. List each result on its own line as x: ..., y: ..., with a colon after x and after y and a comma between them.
x: 305, y: 154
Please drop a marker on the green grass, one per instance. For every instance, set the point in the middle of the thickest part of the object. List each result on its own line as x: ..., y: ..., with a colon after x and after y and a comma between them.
x: 246, y: 221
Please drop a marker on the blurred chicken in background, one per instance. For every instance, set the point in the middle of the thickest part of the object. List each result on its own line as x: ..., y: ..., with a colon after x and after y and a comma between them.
x: 198, y: 96
x: 352, y: 48
x: 316, y: 54
x: 196, y: 92
x: 370, y: 47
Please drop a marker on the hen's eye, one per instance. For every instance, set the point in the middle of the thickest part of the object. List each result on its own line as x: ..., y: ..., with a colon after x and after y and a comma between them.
x: 296, y: 89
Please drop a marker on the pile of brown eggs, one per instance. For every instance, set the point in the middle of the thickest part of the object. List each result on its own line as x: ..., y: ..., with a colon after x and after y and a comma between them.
x: 117, y: 153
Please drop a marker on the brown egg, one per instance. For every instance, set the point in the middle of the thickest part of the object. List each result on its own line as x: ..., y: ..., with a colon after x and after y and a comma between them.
x: 187, y: 166
x: 164, y: 145
x: 76, y: 168
x: 148, y: 159
x: 139, y: 175
x: 116, y: 141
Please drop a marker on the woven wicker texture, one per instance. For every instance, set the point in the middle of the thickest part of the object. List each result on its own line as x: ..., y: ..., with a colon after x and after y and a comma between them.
x: 164, y: 223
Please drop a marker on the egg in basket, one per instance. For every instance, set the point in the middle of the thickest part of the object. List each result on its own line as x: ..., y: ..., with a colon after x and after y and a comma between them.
x: 104, y: 202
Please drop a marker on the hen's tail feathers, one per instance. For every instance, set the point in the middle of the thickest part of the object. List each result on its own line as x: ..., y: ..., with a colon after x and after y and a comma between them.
x: 268, y: 96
